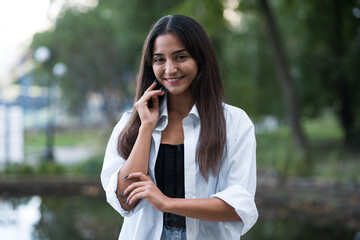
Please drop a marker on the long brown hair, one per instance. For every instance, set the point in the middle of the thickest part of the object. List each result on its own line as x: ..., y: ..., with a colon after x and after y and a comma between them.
x: 207, y: 91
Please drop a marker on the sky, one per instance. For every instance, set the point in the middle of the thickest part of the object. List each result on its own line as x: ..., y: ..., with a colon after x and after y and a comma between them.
x: 19, y: 20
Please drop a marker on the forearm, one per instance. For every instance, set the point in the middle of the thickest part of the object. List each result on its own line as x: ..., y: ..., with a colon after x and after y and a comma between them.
x: 209, y: 209
x: 138, y: 158
x: 137, y: 161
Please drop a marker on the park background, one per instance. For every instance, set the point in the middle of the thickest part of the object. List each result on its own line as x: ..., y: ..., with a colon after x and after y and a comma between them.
x: 293, y: 66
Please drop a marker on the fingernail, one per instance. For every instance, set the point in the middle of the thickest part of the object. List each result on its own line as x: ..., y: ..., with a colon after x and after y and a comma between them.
x: 154, y: 81
x: 126, y: 176
x: 121, y: 194
x: 125, y: 201
x: 164, y: 90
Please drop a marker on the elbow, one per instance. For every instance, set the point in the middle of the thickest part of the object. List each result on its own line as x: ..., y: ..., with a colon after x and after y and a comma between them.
x: 237, y: 218
x: 124, y: 204
x: 233, y: 216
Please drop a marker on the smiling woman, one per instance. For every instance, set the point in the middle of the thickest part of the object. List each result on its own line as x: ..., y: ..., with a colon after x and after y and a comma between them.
x: 187, y: 163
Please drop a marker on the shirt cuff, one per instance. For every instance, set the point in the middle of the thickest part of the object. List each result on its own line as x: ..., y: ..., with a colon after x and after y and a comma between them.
x: 243, y: 203
x: 112, y: 199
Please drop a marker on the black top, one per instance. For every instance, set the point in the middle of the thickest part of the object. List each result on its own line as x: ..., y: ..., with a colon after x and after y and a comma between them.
x: 169, y: 174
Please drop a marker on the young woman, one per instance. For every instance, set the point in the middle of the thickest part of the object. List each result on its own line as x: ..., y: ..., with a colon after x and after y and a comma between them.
x: 181, y: 164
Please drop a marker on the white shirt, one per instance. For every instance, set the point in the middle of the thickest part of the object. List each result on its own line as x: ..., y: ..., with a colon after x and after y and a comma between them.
x: 235, y: 183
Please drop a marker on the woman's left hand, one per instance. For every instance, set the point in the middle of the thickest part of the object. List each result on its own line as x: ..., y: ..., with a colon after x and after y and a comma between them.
x: 145, y: 188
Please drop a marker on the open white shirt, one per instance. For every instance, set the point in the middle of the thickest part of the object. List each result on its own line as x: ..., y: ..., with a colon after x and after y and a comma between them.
x: 235, y: 184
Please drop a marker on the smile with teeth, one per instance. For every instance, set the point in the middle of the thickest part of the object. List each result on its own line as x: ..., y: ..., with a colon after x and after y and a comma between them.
x: 173, y: 80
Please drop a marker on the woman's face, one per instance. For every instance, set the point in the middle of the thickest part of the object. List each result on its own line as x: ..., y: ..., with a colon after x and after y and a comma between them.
x: 173, y: 65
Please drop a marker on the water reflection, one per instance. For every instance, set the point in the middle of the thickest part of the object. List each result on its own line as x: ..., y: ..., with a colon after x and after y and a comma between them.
x: 297, y: 229
x: 89, y: 218
x: 58, y: 218
x: 18, y: 217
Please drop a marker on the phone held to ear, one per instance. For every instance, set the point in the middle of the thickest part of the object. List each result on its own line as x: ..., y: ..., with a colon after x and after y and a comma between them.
x: 157, y: 87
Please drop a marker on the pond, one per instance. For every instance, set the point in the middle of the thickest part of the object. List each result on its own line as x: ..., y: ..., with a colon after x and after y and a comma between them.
x: 90, y: 218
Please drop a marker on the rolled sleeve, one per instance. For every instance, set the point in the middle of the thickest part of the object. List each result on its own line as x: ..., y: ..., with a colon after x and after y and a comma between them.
x: 113, y: 163
x: 244, y: 205
x: 237, y: 179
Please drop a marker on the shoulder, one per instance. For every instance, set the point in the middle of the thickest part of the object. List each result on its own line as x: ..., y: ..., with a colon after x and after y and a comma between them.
x: 123, y: 120
x: 236, y: 116
x: 239, y: 128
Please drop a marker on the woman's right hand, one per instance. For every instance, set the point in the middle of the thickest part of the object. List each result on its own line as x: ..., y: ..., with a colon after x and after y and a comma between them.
x: 149, y: 116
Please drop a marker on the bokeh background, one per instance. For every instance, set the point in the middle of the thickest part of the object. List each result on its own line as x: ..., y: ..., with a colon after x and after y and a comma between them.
x: 67, y: 72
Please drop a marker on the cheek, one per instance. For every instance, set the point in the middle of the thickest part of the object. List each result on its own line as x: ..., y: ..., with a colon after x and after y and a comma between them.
x: 156, y: 70
x: 194, y: 68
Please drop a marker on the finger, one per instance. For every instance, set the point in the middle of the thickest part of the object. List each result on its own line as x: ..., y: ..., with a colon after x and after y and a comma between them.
x: 152, y: 86
x: 149, y: 94
x: 131, y: 188
x: 137, y: 194
x: 139, y: 175
x: 155, y: 102
x: 134, y: 186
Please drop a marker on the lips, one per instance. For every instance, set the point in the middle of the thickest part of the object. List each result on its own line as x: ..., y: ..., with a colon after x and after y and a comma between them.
x: 173, y: 80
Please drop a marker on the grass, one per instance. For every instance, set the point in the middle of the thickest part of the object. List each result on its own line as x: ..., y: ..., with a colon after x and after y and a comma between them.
x: 67, y: 137
x: 327, y: 157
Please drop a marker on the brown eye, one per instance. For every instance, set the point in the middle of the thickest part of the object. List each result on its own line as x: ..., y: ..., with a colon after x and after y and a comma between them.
x: 158, y: 59
x: 180, y: 57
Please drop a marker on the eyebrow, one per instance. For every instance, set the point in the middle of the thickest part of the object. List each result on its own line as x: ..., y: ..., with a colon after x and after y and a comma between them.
x: 176, y: 52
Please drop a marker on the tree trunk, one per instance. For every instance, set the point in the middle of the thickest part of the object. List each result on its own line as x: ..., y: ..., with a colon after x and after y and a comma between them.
x: 291, y: 106
x: 345, y: 113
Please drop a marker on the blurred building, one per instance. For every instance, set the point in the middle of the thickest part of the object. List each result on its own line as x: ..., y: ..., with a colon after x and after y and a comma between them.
x: 11, y: 133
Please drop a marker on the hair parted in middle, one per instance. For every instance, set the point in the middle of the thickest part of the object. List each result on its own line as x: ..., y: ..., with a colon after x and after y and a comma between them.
x: 206, y: 89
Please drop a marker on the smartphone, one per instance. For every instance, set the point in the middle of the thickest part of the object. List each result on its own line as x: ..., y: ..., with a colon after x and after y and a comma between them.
x: 157, y: 87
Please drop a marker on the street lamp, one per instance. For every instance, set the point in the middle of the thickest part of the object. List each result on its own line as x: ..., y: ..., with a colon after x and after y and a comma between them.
x: 42, y: 54
x: 58, y: 70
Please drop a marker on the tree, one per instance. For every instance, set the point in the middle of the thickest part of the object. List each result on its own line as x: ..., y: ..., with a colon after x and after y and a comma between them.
x: 330, y: 56
x: 290, y: 99
x: 101, y: 48
x: 323, y: 50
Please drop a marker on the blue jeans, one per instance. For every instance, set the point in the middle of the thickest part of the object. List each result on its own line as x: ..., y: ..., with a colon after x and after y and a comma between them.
x: 173, y: 233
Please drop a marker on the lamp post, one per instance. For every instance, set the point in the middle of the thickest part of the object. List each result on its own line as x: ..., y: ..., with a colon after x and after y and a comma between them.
x: 42, y: 54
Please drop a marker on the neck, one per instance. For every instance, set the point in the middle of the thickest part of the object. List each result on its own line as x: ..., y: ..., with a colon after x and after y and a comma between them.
x: 180, y: 104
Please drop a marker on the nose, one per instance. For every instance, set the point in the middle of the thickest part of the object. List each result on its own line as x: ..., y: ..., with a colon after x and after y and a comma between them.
x: 170, y: 68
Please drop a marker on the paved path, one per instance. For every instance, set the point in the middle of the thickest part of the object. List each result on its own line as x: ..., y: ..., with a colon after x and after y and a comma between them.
x: 64, y: 155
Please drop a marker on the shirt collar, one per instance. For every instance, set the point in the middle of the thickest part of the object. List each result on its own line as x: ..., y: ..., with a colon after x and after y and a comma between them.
x: 163, y: 114
x: 194, y: 112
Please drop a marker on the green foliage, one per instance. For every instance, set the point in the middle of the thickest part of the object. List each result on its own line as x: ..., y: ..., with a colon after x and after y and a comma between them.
x: 102, y: 48
x: 275, y: 150
x: 250, y: 77
x: 91, y: 166
x: 48, y: 168
x: 327, y: 157
x: 17, y: 168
